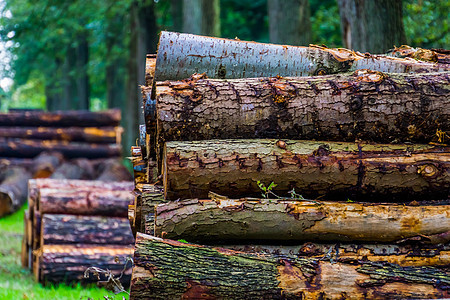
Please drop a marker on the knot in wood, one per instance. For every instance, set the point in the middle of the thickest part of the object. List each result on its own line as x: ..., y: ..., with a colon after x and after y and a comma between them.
x: 428, y: 170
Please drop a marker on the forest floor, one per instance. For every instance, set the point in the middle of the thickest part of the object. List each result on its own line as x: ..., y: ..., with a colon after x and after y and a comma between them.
x: 18, y: 283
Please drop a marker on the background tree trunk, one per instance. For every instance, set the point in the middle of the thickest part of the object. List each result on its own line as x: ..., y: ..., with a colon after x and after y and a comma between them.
x: 83, y: 87
x: 176, y: 11
x: 289, y: 22
x: 201, y: 17
x: 372, y: 26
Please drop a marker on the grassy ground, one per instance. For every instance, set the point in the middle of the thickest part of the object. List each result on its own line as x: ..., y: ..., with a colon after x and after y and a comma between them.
x: 18, y: 283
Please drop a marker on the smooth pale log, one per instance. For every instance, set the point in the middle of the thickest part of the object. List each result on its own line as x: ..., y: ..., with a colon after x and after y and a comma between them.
x: 70, y: 229
x: 363, y: 105
x: 71, y: 134
x: 13, y: 147
x: 13, y: 190
x: 167, y: 269
x: 181, y: 55
x: 336, y: 170
x: 295, y: 220
x: 87, y: 201
x: 68, y: 118
x: 67, y: 263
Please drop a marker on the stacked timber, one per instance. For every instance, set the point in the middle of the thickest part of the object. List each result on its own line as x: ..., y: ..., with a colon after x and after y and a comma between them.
x: 63, y: 144
x: 71, y: 225
x: 292, y: 172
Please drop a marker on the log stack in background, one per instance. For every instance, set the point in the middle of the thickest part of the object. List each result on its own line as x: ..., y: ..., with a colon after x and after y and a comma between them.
x: 63, y: 144
x: 365, y: 137
x: 71, y: 225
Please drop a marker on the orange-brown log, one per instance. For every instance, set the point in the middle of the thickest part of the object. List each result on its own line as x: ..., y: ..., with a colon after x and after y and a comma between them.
x: 168, y: 269
x: 68, y: 118
x: 46, y: 163
x: 224, y: 219
x: 70, y: 134
x: 58, y: 229
x: 87, y: 201
x: 358, y: 171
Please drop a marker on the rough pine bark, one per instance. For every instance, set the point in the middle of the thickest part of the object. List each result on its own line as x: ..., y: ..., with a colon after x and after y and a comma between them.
x: 372, y: 26
x: 289, y: 22
x: 60, y: 229
x: 298, y: 220
x: 181, y: 55
x: 167, y: 269
x: 333, y: 170
x: 364, y: 105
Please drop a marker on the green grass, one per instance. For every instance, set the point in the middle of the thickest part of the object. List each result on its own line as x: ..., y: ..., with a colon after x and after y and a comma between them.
x: 18, y: 283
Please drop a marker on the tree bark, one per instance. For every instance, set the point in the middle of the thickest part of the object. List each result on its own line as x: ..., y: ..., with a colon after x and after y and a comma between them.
x: 31, y: 148
x: 295, y: 220
x: 85, y: 201
x: 13, y: 190
x: 289, y: 22
x: 67, y: 263
x: 365, y: 105
x: 181, y: 55
x: 441, y: 56
x: 373, y: 26
x: 83, y: 87
x: 333, y: 170
x: 69, y: 229
x: 61, y: 118
x: 74, y: 134
x: 201, y: 17
x: 152, y: 195
x: 166, y: 269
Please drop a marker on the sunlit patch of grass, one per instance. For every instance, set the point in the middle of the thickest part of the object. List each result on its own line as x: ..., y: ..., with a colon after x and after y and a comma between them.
x: 18, y: 283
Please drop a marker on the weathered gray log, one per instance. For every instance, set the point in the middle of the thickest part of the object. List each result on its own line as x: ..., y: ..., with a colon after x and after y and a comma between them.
x: 13, y: 190
x: 46, y: 163
x: 167, y: 269
x: 68, y: 263
x: 295, y: 220
x: 85, y: 201
x: 113, y: 170
x: 70, y: 229
x: 71, y: 134
x: 181, y: 55
x: 364, y: 105
x: 358, y: 171
x: 86, y: 118
x: 30, y: 148
x: 74, y: 169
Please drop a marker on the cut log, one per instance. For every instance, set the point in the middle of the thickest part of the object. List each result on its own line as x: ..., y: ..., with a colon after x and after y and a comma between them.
x: 113, y: 170
x: 295, y: 220
x: 13, y: 190
x: 151, y: 196
x: 407, y: 255
x: 181, y: 55
x: 68, y: 263
x: 86, y: 118
x: 76, y: 169
x: 70, y: 229
x: 167, y: 269
x: 32, y: 148
x: 150, y: 65
x: 46, y: 163
x: 70, y: 134
x: 365, y: 105
x: 430, y: 55
x: 86, y: 201
x: 357, y: 171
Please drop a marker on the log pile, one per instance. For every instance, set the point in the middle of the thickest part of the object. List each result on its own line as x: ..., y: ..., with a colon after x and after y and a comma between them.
x: 299, y: 172
x: 60, y: 145
x: 71, y: 225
